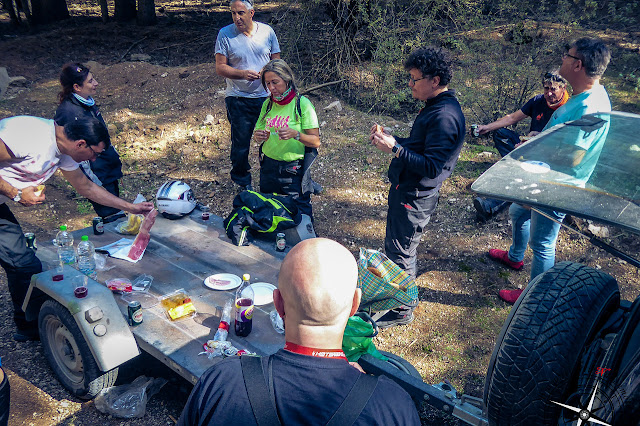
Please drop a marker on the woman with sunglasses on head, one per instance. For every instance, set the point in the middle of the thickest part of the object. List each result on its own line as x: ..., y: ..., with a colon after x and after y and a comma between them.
x: 76, y: 100
x: 288, y: 129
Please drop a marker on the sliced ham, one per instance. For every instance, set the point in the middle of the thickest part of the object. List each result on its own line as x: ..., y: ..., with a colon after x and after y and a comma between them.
x: 143, y: 237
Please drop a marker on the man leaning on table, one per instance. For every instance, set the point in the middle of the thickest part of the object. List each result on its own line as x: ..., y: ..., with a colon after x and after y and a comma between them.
x: 31, y: 150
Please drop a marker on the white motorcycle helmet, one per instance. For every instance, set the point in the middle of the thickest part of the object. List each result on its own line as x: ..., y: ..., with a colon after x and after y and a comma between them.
x: 175, y: 199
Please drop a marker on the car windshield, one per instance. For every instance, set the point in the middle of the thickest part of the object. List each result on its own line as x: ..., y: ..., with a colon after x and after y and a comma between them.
x: 588, y: 168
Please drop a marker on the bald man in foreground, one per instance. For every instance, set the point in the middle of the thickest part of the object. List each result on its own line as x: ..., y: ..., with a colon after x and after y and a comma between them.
x: 311, y: 376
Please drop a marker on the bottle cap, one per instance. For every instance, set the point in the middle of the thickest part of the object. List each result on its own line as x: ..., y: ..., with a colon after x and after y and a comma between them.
x: 85, y: 238
x: 246, y: 277
x: 63, y: 227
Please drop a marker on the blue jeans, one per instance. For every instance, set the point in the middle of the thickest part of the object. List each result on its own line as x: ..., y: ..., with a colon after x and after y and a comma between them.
x: 529, y: 227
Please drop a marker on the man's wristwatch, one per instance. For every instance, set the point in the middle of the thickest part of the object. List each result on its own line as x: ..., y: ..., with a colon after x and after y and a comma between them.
x: 18, y: 196
x: 297, y: 137
x: 396, y: 150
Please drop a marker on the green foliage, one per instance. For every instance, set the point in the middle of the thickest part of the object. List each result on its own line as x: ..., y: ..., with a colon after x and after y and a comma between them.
x: 363, y: 43
x: 497, y: 79
x: 632, y: 78
x: 606, y: 12
x: 504, y: 274
x: 84, y: 206
x: 367, y: 43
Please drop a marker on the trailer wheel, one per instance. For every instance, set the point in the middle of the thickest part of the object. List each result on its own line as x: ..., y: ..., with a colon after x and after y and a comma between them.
x: 68, y: 353
x: 536, y: 357
x: 401, y: 364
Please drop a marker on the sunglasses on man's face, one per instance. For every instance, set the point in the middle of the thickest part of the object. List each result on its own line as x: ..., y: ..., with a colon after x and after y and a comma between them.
x: 567, y: 55
x: 96, y: 153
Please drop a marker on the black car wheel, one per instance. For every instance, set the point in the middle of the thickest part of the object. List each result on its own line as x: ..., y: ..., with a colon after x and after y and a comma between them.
x: 68, y: 353
x: 536, y: 357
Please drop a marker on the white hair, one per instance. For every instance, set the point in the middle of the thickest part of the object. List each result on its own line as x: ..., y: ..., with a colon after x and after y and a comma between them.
x: 247, y: 3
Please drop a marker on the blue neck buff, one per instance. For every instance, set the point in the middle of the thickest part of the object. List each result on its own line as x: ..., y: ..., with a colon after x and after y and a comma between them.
x: 88, y: 102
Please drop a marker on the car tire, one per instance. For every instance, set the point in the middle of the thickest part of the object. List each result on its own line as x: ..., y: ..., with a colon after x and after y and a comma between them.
x: 68, y: 353
x: 537, y: 354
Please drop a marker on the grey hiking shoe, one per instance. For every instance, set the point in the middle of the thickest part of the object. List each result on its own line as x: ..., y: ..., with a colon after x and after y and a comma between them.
x: 393, y: 318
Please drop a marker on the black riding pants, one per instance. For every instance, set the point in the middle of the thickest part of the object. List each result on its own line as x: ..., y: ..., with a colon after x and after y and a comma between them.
x: 407, y: 216
x: 104, y: 211
x: 285, y: 178
x: 505, y: 140
x: 243, y: 113
x: 19, y: 262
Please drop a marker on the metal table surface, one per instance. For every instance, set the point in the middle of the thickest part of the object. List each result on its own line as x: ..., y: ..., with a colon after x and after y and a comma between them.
x: 181, y: 254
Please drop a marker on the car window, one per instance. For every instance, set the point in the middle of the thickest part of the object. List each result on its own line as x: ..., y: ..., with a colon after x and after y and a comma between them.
x: 588, y: 168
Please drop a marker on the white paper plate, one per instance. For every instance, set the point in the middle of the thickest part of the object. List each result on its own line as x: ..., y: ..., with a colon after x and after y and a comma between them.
x: 262, y: 293
x: 234, y: 281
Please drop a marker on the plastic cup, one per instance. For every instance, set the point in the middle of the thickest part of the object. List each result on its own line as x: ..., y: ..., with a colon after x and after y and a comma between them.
x: 80, y: 286
x: 276, y: 321
x: 58, y: 274
x: 205, y: 212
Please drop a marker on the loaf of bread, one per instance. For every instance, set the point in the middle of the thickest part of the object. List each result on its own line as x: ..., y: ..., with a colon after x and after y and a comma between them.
x: 374, y: 271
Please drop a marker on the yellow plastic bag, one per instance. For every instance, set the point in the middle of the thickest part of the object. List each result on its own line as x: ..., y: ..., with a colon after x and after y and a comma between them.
x: 131, y: 226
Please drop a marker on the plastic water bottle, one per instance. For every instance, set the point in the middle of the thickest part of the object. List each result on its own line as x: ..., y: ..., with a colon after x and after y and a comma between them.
x: 244, y: 307
x: 86, y: 259
x: 225, y: 319
x: 64, y: 241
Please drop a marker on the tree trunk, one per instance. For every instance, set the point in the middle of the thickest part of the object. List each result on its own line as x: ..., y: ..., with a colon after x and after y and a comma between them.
x: 146, y: 12
x: 46, y: 11
x: 104, y: 10
x: 125, y: 10
x: 13, y: 8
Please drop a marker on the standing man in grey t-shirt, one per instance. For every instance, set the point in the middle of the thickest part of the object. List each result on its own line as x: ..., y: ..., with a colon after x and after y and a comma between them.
x: 242, y: 49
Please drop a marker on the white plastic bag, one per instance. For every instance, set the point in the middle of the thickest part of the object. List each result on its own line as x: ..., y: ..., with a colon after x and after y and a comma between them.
x: 128, y: 401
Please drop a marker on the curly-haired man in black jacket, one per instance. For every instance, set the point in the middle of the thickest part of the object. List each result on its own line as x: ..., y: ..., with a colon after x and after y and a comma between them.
x: 420, y: 162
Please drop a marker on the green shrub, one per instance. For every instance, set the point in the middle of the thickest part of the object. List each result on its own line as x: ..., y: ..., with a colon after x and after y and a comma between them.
x: 363, y: 43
